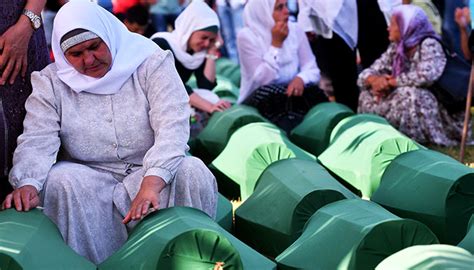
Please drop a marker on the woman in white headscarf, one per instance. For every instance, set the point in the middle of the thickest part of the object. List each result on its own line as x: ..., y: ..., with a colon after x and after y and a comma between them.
x: 116, y: 108
x: 193, y: 44
x: 397, y: 85
x: 279, y: 71
x: 334, y: 44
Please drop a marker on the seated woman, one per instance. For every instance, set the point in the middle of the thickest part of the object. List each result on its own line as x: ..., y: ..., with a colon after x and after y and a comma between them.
x: 397, y: 85
x: 193, y: 45
x: 115, y: 107
x: 279, y: 71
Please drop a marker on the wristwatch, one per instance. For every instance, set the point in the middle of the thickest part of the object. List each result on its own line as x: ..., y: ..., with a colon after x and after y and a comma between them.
x: 34, y: 19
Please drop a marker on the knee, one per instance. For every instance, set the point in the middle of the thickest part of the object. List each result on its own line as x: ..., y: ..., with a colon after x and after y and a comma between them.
x: 61, y: 177
x: 197, y: 176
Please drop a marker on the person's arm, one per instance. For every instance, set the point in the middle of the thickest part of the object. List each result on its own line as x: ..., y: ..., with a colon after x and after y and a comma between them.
x: 260, y: 65
x: 39, y: 144
x: 14, y: 44
x: 169, y: 118
x: 428, y: 69
x: 380, y: 68
x: 462, y: 18
x: 202, y: 80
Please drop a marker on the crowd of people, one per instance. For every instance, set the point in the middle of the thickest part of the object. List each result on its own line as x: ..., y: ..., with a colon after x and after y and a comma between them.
x: 96, y: 113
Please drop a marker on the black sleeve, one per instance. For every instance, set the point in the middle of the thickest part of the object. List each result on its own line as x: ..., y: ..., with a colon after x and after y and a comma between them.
x: 184, y: 73
x: 201, y: 80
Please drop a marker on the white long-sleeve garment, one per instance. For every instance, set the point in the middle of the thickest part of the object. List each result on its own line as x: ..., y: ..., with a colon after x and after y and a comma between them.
x: 261, y: 65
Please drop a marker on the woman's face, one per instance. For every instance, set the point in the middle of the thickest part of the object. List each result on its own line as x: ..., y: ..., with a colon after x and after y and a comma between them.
x: 201, y: 40
x: 280, y: 11
x: 91, y: 58
x: 394, y: 34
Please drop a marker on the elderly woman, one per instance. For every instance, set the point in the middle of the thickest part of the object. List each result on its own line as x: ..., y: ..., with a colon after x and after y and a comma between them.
x: 279, y: 71
x: 397, y: 85
x: 193, y: 46
x: 115, y: 109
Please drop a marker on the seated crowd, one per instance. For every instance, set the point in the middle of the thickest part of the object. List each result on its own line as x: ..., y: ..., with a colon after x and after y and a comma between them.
x: 106, y: 125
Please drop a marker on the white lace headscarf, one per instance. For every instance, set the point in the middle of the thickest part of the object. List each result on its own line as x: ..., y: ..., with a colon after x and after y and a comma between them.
x: 128, y: 49
x: 197, y: 16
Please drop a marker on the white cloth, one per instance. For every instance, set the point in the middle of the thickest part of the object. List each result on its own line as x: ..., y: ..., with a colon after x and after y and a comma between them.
x: 325, y: 17
x: 386, y: 7
x: 233, y: 3
x: 198, y: 15
x: 207, y: 95
x: 262, y: 63
x: 128, y: 49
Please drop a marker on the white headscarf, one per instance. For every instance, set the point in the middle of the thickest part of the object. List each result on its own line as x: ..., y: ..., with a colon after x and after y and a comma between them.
x: 197, y: 16
x: 258, y: 18
x: 386, y: 6
x: 338, y: 16
x: 128, y: 49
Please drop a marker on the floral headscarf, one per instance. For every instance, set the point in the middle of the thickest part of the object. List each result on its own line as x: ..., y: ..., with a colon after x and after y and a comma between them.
x: 414, y: 27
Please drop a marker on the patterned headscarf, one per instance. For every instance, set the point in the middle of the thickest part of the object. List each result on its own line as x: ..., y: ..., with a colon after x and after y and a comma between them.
x: 414, y: 27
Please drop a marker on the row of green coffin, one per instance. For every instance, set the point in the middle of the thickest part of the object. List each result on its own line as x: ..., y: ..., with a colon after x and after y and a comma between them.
x: 370, y: 155
x: 172, y: 238
x: 301, y: 215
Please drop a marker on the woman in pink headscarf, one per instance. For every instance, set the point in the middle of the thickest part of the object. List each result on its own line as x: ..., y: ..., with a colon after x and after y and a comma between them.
x: 397, y: 85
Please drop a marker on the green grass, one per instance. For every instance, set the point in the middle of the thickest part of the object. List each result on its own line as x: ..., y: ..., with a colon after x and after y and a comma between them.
x: 454, y: 152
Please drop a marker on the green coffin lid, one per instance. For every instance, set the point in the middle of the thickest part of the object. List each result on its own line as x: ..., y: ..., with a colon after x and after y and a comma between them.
x: 468, y: 241
x: 183, y: 238
x: 224, y: 213
x: 228, y: 69
x: 352, y: 234
x: 429, y: 257
x: 250, y: 150
x: 225, y: 88
x: 29, y: 240
x: 432, y: 188
x: 362, y: 146
x: 214, y: 137
x: 287, y: 195
x: 314, y: 132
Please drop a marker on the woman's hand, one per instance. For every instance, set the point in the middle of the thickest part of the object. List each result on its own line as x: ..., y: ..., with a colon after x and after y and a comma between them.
x: 220, y: 106
x: 23, y: 198
x: 295, y: 88
x: 214, y: 48
x: 148, y: 195
x: 462, y: 17
x: 279, y: 33
x: 14, y: 50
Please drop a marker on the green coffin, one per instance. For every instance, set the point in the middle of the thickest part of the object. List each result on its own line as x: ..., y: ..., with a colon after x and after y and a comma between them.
x: 225, y: 88
x: 250, y: 150
x: 287, y: 195
x: 314, y: 132
x: 429, y: 257
x: 228, y: 69
x: 29, y: 240
x: 432, y: 188
x: 468, y: 241
x: 214, y: 137
x: 224, y: 213
x: 362, y: 146
x: 183, y: 238
x: 352, y: 234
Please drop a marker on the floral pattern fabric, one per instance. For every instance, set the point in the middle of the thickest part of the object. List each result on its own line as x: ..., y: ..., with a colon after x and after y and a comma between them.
x: 411, y: 107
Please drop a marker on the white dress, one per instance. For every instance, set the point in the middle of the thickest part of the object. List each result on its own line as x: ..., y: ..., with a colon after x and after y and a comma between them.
x: 106, y: 145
